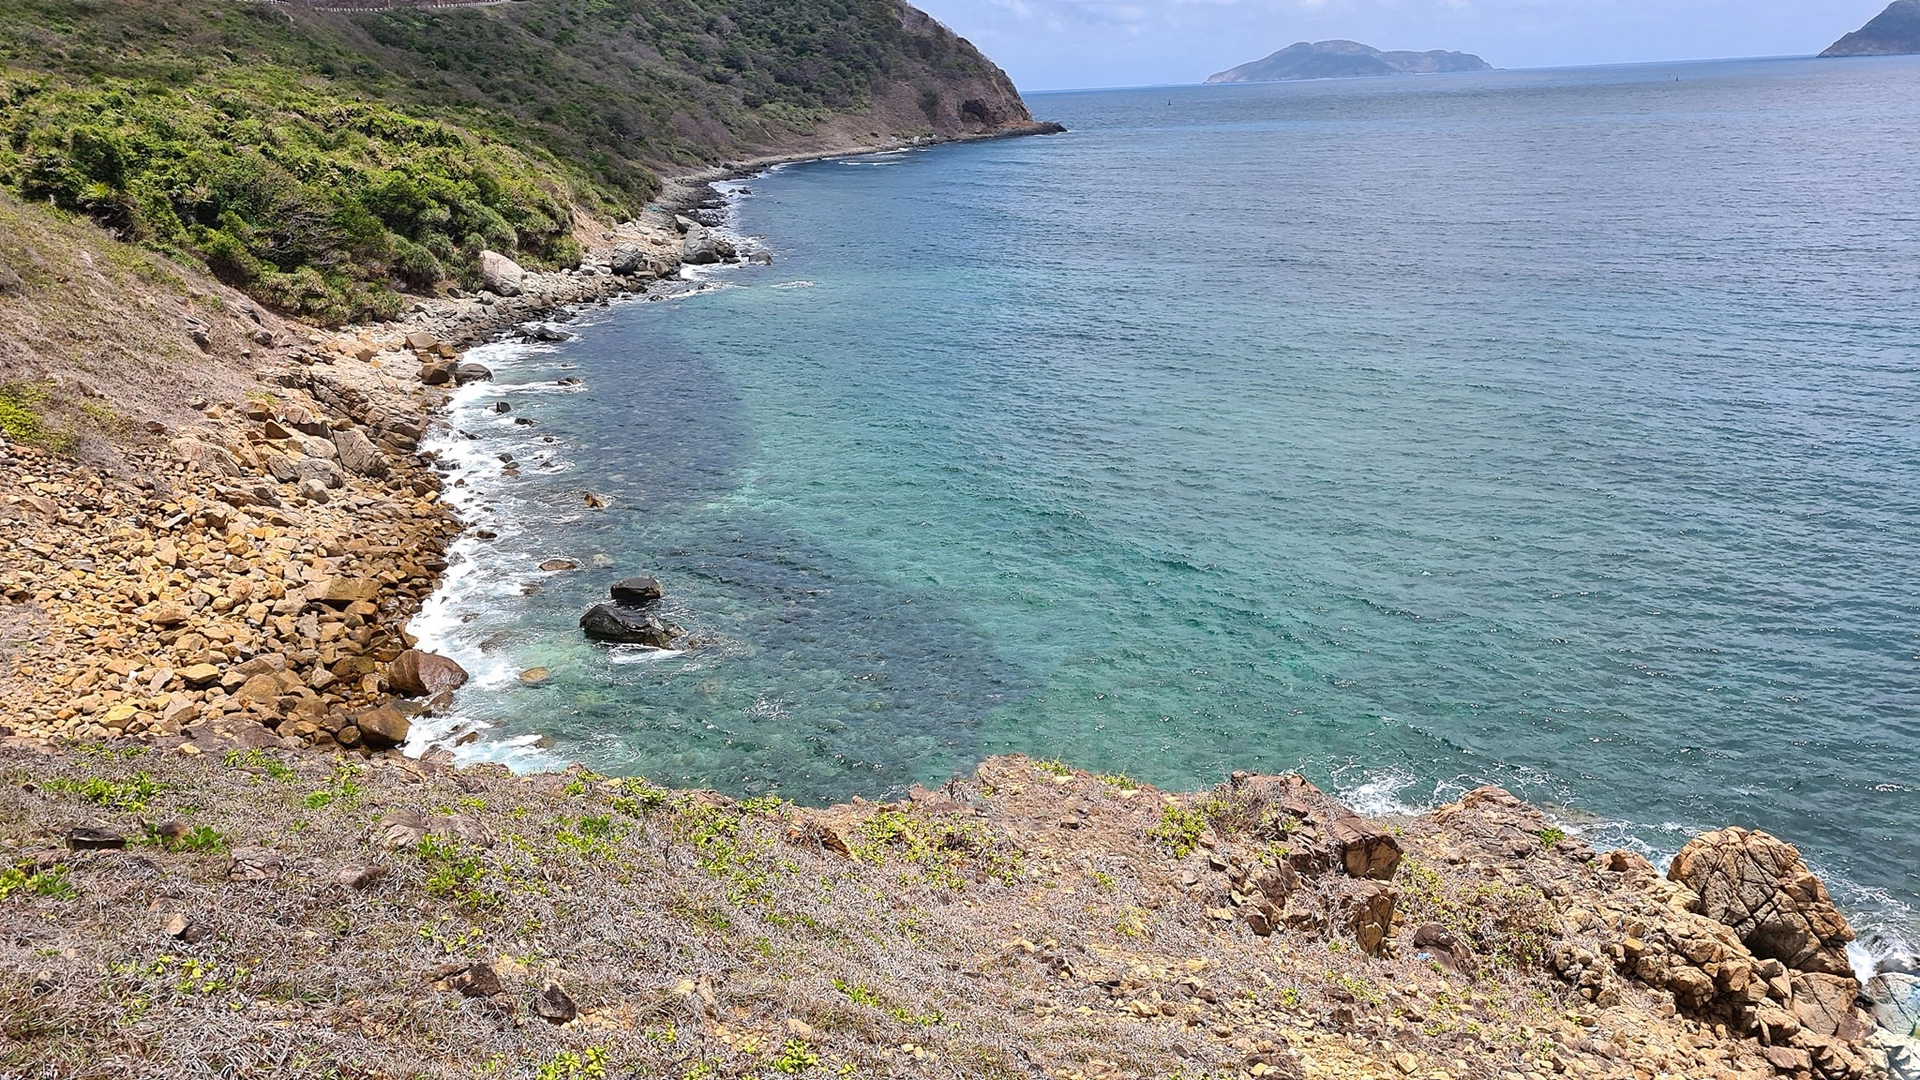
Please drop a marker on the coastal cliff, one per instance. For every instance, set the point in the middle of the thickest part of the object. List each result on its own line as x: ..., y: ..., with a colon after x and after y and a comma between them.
x: 324, y: 158
x: 1893, y: 32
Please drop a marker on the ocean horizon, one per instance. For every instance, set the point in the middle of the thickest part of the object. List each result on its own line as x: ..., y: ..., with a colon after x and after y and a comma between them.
x: 1550, y: 428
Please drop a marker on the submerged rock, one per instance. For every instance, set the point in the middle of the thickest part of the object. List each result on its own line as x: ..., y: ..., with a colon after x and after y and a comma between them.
x: 609, y: 622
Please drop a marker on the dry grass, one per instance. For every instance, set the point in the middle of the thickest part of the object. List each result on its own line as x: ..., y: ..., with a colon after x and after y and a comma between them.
x: 1018, y: 923
x: 101, y: 332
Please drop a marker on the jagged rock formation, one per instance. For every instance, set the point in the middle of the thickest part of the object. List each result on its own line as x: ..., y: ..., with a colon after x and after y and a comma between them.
x: 1892, y: 32
x: 1345, y: 60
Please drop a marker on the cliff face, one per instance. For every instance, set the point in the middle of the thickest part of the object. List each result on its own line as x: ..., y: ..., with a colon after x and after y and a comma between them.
x: 1346, y: 60
x: 315, y: 154
x: 1892, y: 32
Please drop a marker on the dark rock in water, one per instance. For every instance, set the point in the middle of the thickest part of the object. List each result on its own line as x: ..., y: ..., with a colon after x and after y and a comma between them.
x: 571, y: 380
x: 1345, y: 60
x: 609, y: 622
x: 636, y: 591
x: 502, y: 407
x: 523, y: 421
x: 1893, y: 32
x: 469, y: 373
x: 542, y: 332
x: 764, y: 258
x: 552, y: 565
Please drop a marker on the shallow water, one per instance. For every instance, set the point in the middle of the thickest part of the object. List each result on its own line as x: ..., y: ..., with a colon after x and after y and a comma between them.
x: 1549, y: 429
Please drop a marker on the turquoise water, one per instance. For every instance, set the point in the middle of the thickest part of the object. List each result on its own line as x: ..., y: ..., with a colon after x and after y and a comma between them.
x: 1549, y: 429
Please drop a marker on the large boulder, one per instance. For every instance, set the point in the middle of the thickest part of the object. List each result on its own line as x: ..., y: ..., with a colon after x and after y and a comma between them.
x: 609, y: 622
x: 1758, y: 885
x: 636, y: 591
x: 1895, y: 1000
x: 701, y: 247
x: 358, y: 453
x: 627, y: 259
x: 501, y: 274
x: 382, y: 727
x: 469, y: 373
x: 206, y: 457
x: 423, y: 674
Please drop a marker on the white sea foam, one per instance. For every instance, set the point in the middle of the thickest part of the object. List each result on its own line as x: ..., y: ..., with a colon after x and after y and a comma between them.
x: 801, y: 284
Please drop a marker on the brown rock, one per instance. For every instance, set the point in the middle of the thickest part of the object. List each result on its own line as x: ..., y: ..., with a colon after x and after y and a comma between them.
x: 423, y: 674
x: 199, y: 675
x: 403, y: 828
x: 343, y: 591
x: 637, y: 590
x: 1325, y: 832
x: 554, y: 1005
x: 478, y: 981
x: 381, y: 727
x: 89, y: 839
x: 552, y: 565
x: 536, y: 676
x: 253, y: 864
x: 358, y: 454
x: 361, y: 877
x: 1758, y: 885
x: 167, y: 615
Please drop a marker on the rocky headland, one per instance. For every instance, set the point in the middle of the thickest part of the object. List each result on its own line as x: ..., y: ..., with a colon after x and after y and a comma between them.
x: 1345, y: 60
x: 1894, y: 31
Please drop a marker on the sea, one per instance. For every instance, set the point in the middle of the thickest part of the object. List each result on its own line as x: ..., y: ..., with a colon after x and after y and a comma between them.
x: 1554, y: 429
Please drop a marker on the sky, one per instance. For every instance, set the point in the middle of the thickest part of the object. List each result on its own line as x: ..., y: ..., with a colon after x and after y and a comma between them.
x: 1070, y: 44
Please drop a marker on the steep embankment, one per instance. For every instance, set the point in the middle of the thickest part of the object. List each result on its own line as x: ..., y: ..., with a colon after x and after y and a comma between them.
x: 1894, y: 31
x: 317, y: 158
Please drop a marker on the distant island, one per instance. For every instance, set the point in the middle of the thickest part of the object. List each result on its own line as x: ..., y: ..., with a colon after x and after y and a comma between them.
x: 1892, y: 32
x: 1350, y: 59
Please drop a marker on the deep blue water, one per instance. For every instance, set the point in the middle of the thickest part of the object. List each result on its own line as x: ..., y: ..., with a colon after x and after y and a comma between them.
x: 1549, y: 429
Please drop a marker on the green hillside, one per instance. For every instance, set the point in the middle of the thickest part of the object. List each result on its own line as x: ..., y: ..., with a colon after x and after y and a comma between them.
x: 321, y: 159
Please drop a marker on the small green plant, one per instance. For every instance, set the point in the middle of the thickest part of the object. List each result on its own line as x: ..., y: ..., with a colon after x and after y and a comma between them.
x: 1104, y: 881
x: 342, y: 790
x: 254, y: 759
x: 856, y: 993
x: 1289, y: 997
x: 1119, y: 781
x: 131, y: 794
x: 590, y: 837
x: 795, y: 1057
x: 639, y: 797
x: 198, y: 838
x: 21, y: 406
x: 567, y: 1065
x: 1551, y: 836
x: 1179, y: 829
x: 454, y: 872
x: 1054, y: 767
x: 51, y: 882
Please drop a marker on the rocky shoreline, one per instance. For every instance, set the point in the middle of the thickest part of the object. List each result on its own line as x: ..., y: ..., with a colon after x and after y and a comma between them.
x: 240, y: 591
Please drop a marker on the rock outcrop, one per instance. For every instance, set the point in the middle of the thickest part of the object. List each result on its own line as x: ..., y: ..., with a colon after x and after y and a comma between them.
x: 1893, y: 32
x: 501, y: 274
x: 423, y: 674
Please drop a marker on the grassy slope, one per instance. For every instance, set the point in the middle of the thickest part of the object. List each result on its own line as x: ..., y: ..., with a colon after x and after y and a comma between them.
x: 95, y: 332
x: 972, y: 934
x: 318, y: 158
